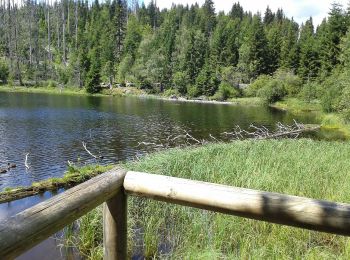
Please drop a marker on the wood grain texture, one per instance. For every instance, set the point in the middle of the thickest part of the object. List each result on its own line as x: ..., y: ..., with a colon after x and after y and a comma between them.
x: 29, y: 227
x: 115, y: 227
x: 272, y: 207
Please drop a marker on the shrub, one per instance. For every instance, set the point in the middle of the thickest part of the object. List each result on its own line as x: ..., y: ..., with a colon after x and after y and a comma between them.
x: 272, y: 92
x: 258, y: 84
x: 180, y: 80
x: 170, y: 92
x: 291, y: 82
x: 192, y: 91
x: 226, y: 91
x: 309, y: 91
x: 51, y: 84
x: 333, y: 88
x: 4, y: 71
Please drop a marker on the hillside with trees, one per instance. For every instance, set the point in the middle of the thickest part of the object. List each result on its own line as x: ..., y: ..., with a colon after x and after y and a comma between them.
x: 186, y: 50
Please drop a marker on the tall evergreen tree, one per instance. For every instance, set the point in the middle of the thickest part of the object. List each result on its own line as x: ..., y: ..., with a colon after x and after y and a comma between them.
x: 308, y: 64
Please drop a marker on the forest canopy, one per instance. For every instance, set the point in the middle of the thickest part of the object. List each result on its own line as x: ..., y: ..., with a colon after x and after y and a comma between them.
x: 188, y: 50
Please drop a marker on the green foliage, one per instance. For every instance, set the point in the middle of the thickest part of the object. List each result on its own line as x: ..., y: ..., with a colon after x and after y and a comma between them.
x: 181, y: 80
x: 259, y: 83
x: 253, y: 52
x: 192, y: 91
x: 51, y: 84
x: 171, y: 92
x: 291, y: 82
x: 226, y: 91
x: 344, y: 104
x: 124, y: 68
x: 334, y: 96
x: 4, y: 71
x: 93, y: 77
x: 275, y: 88
x: 191, y: 49
x: 207, y: 81
x: 309, y: 91
x: 273, y: 91
x: 308, y: 60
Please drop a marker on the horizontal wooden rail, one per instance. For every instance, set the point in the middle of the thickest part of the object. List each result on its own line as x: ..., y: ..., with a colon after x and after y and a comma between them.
x: 272, y: 207
x: 26, y: 229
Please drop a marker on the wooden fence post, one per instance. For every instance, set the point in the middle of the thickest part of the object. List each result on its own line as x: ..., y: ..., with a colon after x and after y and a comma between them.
x: 115, y: 227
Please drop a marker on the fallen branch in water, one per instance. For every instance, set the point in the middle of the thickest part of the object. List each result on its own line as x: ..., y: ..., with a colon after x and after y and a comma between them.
x: 72, y: 178
x: 94, y: 156
x: 263, y: 133
x: 26, y: 161
x: 258, y: 133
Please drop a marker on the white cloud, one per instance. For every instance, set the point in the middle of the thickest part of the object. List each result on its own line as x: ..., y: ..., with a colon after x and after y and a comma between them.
x: 301, y: 10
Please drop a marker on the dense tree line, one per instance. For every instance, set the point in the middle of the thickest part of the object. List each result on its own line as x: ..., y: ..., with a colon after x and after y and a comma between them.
x: 190, y: 50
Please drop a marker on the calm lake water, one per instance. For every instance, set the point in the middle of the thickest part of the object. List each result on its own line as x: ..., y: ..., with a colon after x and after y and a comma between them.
x: 51, y: 128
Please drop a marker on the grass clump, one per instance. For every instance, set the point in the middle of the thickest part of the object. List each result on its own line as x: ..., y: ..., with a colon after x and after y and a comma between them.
x: 314, y: 169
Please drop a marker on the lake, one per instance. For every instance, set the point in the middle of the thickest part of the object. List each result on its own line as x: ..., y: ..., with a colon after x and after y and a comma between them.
x: 51, y: 129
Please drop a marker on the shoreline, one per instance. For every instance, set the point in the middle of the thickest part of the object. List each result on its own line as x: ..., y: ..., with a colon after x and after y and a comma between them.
x: 291, y: 105
x: 132, y: 92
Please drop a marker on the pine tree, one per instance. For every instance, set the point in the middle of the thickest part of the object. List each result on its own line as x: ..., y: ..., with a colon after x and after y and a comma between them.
x: 195, y: 54
x: 237, y: 11
x: 209, y: 17
x: 308, y: 63
x: 289, y: 57
x: 269, y: 16
x: 93, y: 77
x: 254, y: 50
x: 330, y: 40
x: 119, y: 21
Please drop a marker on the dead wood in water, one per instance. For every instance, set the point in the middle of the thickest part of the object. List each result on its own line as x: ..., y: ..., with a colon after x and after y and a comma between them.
x: 257, y: 133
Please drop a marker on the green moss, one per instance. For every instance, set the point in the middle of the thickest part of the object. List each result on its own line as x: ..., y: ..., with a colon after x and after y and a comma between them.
x: 72, y: 176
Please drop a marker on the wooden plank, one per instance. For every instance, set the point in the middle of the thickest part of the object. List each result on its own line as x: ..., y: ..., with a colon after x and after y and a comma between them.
x: 272, y: 207
x: 115, y: 227
x: 26, y: 229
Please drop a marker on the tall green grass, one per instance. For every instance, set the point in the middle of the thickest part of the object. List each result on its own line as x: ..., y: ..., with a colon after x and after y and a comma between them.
x: 314, y: 169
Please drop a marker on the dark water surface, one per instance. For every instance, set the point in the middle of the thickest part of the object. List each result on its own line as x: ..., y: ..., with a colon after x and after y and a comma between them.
x: 51, y: 129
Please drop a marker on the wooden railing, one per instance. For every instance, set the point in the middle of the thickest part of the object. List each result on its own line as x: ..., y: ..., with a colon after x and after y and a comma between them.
x: 26, y: 229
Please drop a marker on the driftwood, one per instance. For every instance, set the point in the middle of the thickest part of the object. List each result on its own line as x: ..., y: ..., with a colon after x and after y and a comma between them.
x: 256, y: 133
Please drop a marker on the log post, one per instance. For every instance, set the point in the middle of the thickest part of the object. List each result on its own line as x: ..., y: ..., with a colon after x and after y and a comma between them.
x: 31, y: 226
x: 115, y: 227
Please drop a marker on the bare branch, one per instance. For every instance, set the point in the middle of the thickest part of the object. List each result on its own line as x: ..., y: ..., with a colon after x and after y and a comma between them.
x: 94, y: 156
x: 26, y: 161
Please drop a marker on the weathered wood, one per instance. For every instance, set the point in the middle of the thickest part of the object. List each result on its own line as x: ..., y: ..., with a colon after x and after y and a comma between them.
x: 291, y: 133
x: 115, y: 227
x: 26, y: 229
x: 272, y: 207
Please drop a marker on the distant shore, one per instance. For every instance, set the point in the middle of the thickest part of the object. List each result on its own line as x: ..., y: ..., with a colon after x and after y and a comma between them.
x: 292, y: 105
x: 128, y: 91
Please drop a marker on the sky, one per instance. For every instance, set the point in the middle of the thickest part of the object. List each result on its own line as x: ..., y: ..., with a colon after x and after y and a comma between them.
x: 300, y: 10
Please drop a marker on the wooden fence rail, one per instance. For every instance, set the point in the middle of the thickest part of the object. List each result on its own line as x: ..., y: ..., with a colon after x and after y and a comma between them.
x: 26, y: 229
